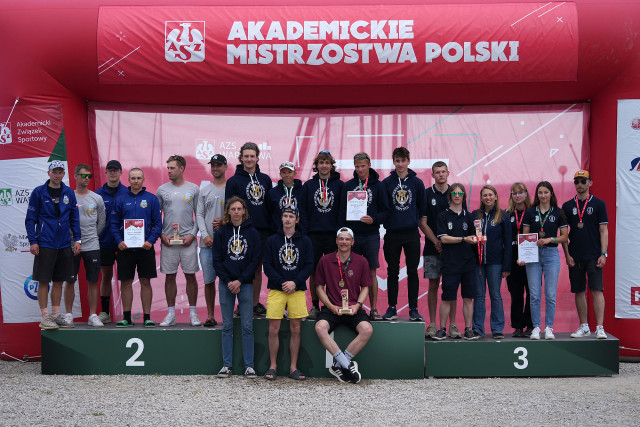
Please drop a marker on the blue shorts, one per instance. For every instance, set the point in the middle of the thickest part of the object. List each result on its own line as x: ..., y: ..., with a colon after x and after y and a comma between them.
x: 369, y: 247
x: 467, y: 282
x: 206, y: 263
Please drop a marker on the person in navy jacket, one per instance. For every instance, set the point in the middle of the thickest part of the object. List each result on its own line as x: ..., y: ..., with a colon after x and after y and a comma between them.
x: 288, y: 192
x: 406, y: 194
x: 136, y: 203
x: 367, y: 229
x: 51, y: 214
x: 251, y: 185
x: 320, y: 210
x: 288, y: 261
x: 495, y: 262
x: 237, y: 251
x: 109, y: 192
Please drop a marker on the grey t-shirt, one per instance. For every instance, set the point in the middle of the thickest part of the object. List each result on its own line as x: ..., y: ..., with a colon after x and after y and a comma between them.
x: 178, y: 205
x: 92, y: 220
x: 210, y: 206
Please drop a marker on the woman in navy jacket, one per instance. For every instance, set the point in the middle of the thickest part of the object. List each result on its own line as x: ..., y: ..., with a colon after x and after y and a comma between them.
x: 495, y: 260
x: 236, y: 254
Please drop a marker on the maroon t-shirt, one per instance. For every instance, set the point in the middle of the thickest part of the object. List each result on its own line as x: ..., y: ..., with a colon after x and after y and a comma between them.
x: 356, y: 277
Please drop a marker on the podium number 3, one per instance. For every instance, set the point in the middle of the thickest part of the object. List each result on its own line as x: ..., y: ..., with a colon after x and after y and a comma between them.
x: 133, y: 360
x: 522, y: 358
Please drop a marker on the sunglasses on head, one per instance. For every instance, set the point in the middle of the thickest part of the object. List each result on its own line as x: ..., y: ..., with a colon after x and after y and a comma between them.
x: 361, y: 156
x: 85, y: 175
x: 324, y: 152
x: 457, y: 193
x: 579, y: 181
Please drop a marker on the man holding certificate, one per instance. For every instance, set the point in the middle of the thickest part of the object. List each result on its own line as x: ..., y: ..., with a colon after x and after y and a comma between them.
x: 342, y: 283
x: 364, y: 207
x: 135, y: 214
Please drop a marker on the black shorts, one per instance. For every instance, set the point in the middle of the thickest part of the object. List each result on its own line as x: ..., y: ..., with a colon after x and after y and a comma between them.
x: 323, y: 244
x: 466, y: 280
x: 582, y: 271
x: 369, y: 247
x: 52, y: 265
x: 108, y: 256
x: 91, y: 261
x: 352, y: 321
x: 131, y: 259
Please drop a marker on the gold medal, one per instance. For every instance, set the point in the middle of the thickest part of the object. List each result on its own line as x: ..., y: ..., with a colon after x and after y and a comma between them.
x: 341, y: 283
x: 541, y: 233
x: 580, y: 224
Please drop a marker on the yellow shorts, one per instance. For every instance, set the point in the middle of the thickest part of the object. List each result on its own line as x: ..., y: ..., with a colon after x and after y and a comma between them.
x: 296, y: 304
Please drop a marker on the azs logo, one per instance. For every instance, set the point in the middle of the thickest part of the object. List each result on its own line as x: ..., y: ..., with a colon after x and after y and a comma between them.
x: 31, y: 288
x: 5, y: 133
x: 184, y: 41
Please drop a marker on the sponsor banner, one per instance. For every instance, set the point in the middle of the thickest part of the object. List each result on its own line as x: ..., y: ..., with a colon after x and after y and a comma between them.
x: 628, y: 209
x: 455, y: 43
x: 31, y: 131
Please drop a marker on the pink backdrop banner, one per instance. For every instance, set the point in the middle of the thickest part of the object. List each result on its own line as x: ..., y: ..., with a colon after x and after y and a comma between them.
x: 495, y: 145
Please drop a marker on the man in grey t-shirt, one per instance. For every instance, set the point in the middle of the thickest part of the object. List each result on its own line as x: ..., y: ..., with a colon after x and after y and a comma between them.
x: 92, y: 220
x: 208, y: 215
x: 178, y: 202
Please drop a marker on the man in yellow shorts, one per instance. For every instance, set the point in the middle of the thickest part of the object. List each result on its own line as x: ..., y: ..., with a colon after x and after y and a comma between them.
x: 288, y: 262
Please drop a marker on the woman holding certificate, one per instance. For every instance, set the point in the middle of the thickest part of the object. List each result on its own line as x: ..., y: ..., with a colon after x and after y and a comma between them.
x: 236, y: 254
x: 517, y: 283
x: 494, y: 256
x: 545, y: 219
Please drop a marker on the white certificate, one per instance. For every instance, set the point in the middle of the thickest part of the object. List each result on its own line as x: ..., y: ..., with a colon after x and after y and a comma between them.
x: 528, y: 247
x: 356, y: 205
x: 134, y: 233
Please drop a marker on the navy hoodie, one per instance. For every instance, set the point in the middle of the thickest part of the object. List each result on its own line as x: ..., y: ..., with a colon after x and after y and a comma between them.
x: 277, y: 200
x: 320, y: 211
x: 377, y: 204
x: 257, y: 204
x: 236, y: 262
x: 497, y: 249
x: 106, y: 237
x: 407, y: 201
x: 287, y: 259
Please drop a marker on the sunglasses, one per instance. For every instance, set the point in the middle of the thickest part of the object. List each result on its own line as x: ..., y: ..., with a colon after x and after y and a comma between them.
x: 324, y: 152
x: 361, y: 156
x: 457, y: 193
x: 579, y: 181
x: 85, y: 175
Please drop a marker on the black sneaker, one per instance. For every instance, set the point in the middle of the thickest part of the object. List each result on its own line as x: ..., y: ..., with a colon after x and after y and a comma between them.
x: 498, y: 336
x: 354, y: 373
x: 527, y: 332
x: 441, y: 334
x: 518, y: 333
x: 339, y: 373
x: 469, y: 334
x: 259, y: 310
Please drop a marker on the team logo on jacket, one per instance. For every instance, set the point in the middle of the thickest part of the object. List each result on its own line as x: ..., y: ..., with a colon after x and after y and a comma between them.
x: 465, y: 226
x: 255, y: 193
x: 401, y: 198
x: 284, y: 201
x: 184, y: 41
x: 143, y: 204
x: 450, y: 225
x: 91, y: 210
x: 590, y: 210
x: 289, y: 256
x: 237, y: 248
x: 433, y: 202
x: 513, y: 219
x: 537, y: 218
x: 188, y: 197
x: 575, y: 211
x: 552, y: 218
x: 65, y: 200
x: 323, y: 204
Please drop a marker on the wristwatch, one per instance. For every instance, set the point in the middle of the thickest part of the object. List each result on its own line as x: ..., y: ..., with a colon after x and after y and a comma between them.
x: 360, y: 304
x: 604, y: 253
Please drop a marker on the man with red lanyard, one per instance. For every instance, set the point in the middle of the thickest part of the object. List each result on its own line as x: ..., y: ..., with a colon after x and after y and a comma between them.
x: 343, y: 274
x: 586, y: 252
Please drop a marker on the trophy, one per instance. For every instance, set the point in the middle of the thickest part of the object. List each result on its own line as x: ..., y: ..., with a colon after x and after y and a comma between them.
x: 344, y: 293
x: 176, y: 235
x: 478, y: 225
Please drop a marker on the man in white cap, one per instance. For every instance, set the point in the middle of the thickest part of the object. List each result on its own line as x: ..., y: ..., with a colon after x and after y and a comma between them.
x: 51, y: 215
x: 342, y: 282
x: 288, y: 192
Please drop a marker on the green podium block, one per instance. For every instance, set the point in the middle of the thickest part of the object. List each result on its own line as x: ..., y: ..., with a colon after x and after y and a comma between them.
x: 564, y: 356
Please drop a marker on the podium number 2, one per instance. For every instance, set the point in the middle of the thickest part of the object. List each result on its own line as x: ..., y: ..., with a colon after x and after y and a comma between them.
x: 133, y: 360
x: 523, y: 362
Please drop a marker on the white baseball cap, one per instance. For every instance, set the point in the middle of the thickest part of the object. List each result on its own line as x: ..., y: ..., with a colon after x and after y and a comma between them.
x: 345, y: 230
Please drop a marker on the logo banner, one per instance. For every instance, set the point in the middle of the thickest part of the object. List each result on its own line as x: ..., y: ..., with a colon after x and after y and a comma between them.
x: 338, y: 45
x: 628, y: 209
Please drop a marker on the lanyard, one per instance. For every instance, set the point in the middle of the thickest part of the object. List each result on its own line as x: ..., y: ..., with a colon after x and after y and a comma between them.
x: 581, y: 213
x: 365, y: 184
x: 518, y: 221
x: 323, y: 188
x: 340, y: 267
x: 543, y: 220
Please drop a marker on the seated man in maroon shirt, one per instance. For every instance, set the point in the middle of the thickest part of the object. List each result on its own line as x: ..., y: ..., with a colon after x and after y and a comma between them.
x: 343, y: 275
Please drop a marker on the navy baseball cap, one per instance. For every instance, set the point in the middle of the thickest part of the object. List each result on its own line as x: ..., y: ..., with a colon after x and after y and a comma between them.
x: 291, y: 209
x: 114, y: 164
x: 218, y: 158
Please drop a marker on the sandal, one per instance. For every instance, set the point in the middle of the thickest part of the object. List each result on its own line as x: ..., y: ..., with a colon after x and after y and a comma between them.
x: 271, y: 375
x: 209, y: 323
x: 374, y: 315
x: 124, y: 324
x: 149, y: 324
x: 297, y: 375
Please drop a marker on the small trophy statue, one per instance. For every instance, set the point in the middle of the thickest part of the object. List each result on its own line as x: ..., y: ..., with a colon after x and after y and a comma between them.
x: 478, y: 225
x: 176, y: 235
x: 344, y: 293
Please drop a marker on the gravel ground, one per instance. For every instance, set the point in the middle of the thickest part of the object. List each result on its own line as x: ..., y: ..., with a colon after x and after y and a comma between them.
x: 29, y: 398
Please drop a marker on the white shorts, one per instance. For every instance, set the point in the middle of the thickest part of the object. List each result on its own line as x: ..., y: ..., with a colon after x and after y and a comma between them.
x: 186, y: 256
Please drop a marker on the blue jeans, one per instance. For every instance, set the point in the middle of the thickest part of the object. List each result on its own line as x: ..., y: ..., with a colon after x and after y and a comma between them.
x: 548, y: 265
x: 489, y: 275
x: 245, y: 303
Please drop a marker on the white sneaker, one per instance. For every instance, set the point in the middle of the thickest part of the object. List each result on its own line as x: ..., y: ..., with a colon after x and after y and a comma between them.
x: 548, y: 334
x: 195, y: 320
x: 250, y: 372
x: 600, y: 333
x: 169, y: 320
x: 94, y: 320
x: 225, y: 372
x: 581, y: 332
x: 535, y: 334
x: 64, y: 320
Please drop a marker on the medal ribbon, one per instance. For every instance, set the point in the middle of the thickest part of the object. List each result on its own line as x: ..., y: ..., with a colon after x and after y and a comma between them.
x: 323, y: 188
x: 542, y: 221
x: 365, y: 184
x: 581, y: 213
x: 519, y: 221
x: 340, y: 267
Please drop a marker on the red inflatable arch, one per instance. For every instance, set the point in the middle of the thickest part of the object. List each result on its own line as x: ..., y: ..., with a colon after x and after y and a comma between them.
x: 50, y: 56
